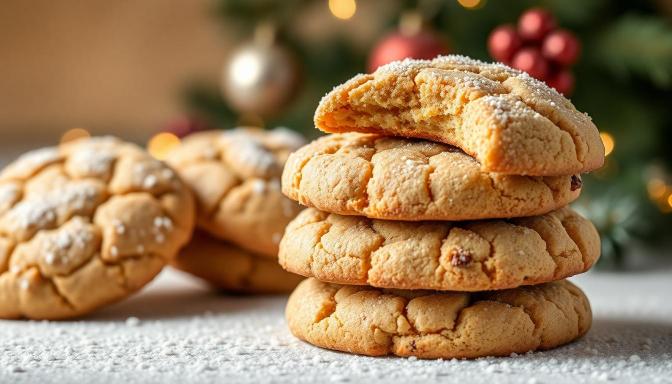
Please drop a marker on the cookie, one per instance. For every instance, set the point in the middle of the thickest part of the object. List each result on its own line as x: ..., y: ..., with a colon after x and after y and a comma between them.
x: 231, y: 268
x: 510, y: 122
x: 405, y: 179
x: 235, y: 176
x: 455, y: 256
x: 85, y: 224
x: 428, y: 324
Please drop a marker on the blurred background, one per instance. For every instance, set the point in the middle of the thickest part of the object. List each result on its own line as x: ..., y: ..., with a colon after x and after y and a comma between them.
x: 153, y: 71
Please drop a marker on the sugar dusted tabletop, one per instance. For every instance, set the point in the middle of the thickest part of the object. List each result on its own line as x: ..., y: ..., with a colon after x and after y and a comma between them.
x: 176, y: 331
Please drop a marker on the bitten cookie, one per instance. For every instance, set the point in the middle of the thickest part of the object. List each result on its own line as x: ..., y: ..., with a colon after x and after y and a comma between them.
x: 429, y: 324
x: 86, y: 224
x: 404, y: 179
x: 456, y: 256
x: 510, y: 122
x: 231, y: 268
x: 235, y: 176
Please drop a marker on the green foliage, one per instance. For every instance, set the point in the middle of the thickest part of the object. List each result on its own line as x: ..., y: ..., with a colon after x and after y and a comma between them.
x: 637, y: 44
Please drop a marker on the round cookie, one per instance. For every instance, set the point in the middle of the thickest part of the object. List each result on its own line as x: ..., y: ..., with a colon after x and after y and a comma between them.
x: 86, y: 224
x: 509, y: 121
x: 235, y: 176
x: 428, y: 324
x: 451, y: 256
x: 231, y: 268
x: 404, y: 179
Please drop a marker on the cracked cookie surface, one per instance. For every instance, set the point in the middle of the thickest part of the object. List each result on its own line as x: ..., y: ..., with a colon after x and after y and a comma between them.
x: 85, y: 224
x: 454, y: 256
x: 406, y: 179
x: 235, y: 176
x: 231, y: 268
x: 510, y: 122
x: 430, y: 324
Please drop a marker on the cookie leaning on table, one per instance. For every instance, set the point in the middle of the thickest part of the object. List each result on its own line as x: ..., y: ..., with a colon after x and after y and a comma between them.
x: 404, y: 179
x: 430, y: 324
x: 510, y: 122
x: 86, y: 224
x: 232, y: 268
x: 235, y: 176
x: 456, y: 256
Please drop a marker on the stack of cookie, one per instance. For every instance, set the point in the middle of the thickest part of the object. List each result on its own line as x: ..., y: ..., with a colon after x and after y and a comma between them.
x: 454, y: 247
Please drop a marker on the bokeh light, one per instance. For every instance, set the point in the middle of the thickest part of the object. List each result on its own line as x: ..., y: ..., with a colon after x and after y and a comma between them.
x: 608, y: 142
x: 74, y: 134
x: 343, y: 9
x: 470, y: 4
x: 161, y: 144
x: 656, y: 188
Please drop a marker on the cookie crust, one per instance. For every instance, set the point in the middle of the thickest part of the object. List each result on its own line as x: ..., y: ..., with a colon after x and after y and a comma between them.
x: 453, y: 256
x: 429, y: 324
x: 405, y: 179
x: 510, y: 122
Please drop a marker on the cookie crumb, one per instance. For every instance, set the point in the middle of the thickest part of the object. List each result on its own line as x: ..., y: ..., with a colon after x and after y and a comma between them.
x: 460, y: 257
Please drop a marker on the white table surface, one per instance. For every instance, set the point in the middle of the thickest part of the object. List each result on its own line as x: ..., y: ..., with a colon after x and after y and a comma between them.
x: 177, y: 331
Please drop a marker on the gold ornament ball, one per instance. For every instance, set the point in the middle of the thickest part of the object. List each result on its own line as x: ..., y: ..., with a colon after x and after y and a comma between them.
x: 260, y: 78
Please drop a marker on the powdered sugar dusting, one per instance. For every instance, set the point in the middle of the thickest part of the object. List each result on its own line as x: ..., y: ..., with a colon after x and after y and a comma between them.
x: 244, y: 151
x: 92, y: 161
x: 9, y: 193
x: 507, y: 109
x: 178, y: 332
x: 286, y: 138
x: 40, y: 211
x: 31, y: 161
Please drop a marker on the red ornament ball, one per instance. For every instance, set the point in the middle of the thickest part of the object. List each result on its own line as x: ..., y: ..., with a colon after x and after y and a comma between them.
x: 535, y: 23
x: 562, y: 47
x: 562, y: 81
x: 503, y: 43
x: 531, y: 61
x: 398, y: 46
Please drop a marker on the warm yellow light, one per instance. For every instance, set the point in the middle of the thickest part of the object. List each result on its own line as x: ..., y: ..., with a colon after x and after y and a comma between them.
x: 343, y: 9
x: 656, y: 188
x: 161, y: 144
x: 469, y: 3
x: 669, y: 200
x: 74, y: 134
x: 608, y: 142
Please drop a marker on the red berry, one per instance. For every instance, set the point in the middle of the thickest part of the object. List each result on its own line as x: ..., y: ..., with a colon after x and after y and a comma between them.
x: 503, y: 43
x: 531, y: 61
x: 562, y: 47
x: 535, y: 23
x: 562, y: 81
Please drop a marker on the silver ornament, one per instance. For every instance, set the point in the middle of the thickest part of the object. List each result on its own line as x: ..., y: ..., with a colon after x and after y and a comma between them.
x: 260, y: 78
